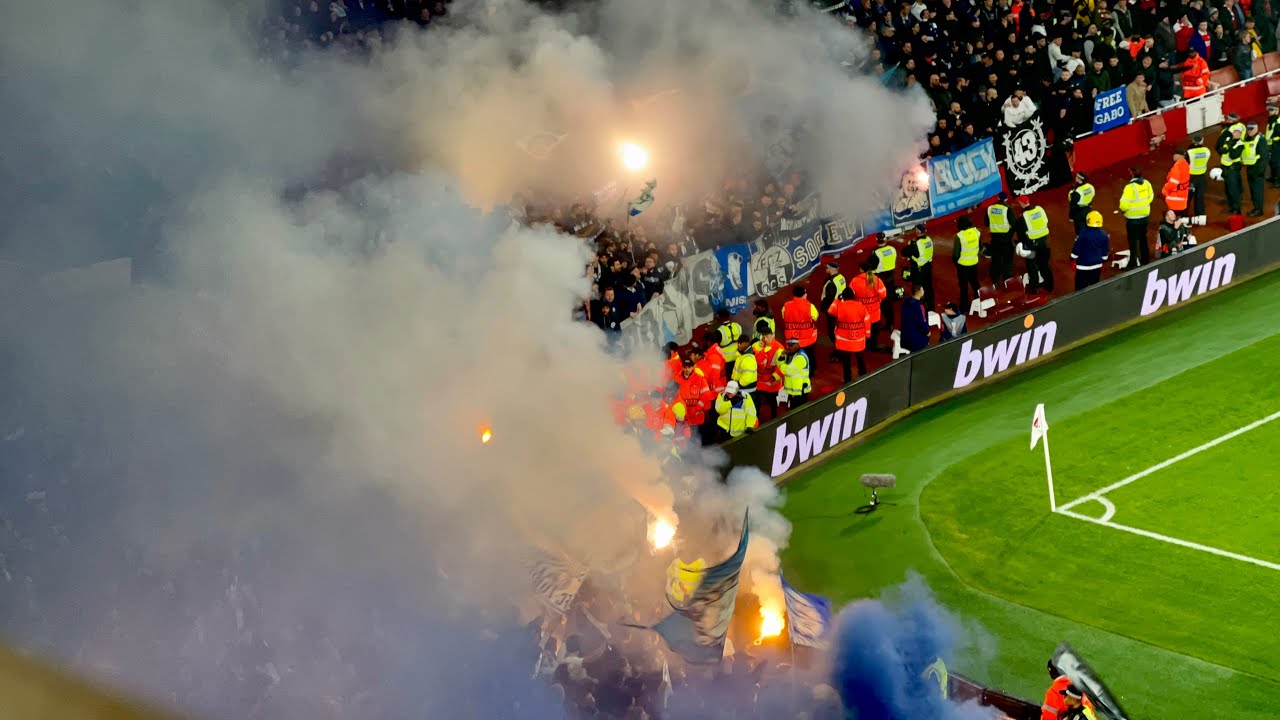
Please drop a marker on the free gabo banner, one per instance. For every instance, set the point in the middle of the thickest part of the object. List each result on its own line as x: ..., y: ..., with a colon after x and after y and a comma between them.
x: 1110, y: 109
x: 960, y: 180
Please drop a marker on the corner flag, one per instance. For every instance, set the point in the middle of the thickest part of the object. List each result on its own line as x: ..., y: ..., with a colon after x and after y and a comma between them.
x: 1039, y: 426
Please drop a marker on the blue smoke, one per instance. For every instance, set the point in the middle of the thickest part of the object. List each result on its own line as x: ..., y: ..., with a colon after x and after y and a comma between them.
x: 881, y: 651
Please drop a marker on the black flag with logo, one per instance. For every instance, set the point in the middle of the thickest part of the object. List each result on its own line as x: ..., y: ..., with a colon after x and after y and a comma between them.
x: 1026, y: 155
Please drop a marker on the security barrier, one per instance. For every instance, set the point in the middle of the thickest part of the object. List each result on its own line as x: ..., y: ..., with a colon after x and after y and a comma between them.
x: 991, y: 353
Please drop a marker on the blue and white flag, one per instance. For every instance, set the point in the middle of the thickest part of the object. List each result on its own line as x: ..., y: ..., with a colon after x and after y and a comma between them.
x: 697, y: 630
x: 732, y: 289
x: 964, y: 178
x: 808, y: 617
x: 643, y: 201
x: 1110, y: 109
x: 555, y: 580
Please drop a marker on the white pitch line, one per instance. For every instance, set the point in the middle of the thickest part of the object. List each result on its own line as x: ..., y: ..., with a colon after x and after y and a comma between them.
x: 1173, y: 541
x: 1097, y: 494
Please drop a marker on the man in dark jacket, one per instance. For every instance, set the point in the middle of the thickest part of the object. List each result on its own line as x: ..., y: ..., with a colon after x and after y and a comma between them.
x: 915, y: 321
x: 1173, y: 235
x: 1090, y: 252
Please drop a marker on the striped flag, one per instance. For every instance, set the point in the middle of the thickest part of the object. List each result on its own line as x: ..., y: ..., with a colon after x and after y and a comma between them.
x: 809, y: 617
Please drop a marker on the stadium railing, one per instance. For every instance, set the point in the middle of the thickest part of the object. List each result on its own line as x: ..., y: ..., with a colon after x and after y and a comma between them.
x: 819, y: 429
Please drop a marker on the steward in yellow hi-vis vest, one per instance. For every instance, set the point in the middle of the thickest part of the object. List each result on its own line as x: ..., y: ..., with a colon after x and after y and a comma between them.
x: 1255, y: 157
x: 965, y: 253
x: 1000, y: 248
x: 920, y: 254
x: 1198, y: 157
x: 1080, y: 201
x: 1135, y: 203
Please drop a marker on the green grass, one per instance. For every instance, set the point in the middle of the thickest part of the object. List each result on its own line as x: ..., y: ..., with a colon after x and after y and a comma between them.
x: 1148, y: 615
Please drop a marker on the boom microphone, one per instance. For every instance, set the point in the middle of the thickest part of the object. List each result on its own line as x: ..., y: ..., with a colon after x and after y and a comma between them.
x: 876, y: 480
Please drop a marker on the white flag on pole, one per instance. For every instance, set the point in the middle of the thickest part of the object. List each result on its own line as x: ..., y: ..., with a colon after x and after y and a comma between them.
x: 1039, y: 426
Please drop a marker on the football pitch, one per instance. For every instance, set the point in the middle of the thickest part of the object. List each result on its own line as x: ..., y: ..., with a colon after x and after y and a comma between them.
x: 1161, y: 565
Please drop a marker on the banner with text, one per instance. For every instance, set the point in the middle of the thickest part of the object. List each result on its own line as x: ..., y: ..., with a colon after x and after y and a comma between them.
x: 962, y: 179
x: 732, y: 286
x: 1110, y: 109
x: 1026, y: 157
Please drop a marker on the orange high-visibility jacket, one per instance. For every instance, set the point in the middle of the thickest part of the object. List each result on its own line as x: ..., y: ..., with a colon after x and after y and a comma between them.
x: 697, y: 396
x: 712, y: 365
x: 1177, y: 186
x: 853, y: 324
x: 869, y: 293
x: 768, y: 377
x: 800, y: 321
x: 1054, y: 706
x: 1195, y: 79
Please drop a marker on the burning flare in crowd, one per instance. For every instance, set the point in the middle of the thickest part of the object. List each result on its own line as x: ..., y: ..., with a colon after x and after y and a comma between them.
x: 661, y: 532
x: 486, y: 434
x: 634, y: 157
x: 771, y: 623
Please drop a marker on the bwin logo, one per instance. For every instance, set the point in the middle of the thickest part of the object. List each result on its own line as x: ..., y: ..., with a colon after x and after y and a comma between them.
x: 826, y: 432
x: 1202, y: 278
x: 998, y: 357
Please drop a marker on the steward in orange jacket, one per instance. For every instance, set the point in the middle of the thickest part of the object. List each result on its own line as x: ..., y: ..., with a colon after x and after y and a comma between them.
x: 800, y: 319
x: 695, y: 393
x: 869, y: 290
x: 673, y: 362
x: 712, y: 362
x: 1177, y: 185
x: 1195, y: 78
x: 853, y: 327
x: 1063, y: 696
x: 768, y: 377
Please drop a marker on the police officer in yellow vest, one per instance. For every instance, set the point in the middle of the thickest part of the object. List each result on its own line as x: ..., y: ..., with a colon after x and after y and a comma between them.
x: 1198, y: 158
x: 1255, y: 157
x: 1273, y: 139
x: 1034, y: 248
x: 887, y: 270
x: 920, y: 254
x: 794, y: 366
x: 729, y: 332
x: 965, y: 253
x: 1000, y: 223
x: 1135, y: 203
x: 1230, y: 150
x: 1080, y: 201
x: 736, y: 412
x: 831, y: 290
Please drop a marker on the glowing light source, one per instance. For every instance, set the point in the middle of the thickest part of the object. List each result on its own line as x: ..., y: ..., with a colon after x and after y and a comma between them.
x: 486, y: 434
x: 661, y: 533
x: 922, y: 179
x: 634, y: 157
x: 771, y: 623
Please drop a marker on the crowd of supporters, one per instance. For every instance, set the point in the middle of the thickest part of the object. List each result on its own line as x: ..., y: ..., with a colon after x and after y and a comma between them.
x: 987, y: 63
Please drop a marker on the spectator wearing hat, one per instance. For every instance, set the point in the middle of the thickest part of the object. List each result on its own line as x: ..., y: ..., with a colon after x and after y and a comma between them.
x: 1255, y: 156
x: 1135, y: 203
x: 831, y: 290
x: 1080, y: 201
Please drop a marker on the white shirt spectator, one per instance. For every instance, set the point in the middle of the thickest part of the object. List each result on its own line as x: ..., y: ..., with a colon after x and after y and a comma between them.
x: 1056, y: 56
x: 918, y: 8
x: 1017, y: 110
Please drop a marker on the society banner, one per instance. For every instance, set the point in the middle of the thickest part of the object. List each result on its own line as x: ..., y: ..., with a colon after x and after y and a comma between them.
x: 962, y: 179
x: 1110, y: 109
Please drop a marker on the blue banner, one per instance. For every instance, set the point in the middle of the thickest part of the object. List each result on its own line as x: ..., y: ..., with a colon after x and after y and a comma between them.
x: 731, y: 289
x: 808, y: 617
x: 697, y: 629
x: 1110, y: 109
x: 841, y: 234
x: 962, y: 179
x: 806, y: 248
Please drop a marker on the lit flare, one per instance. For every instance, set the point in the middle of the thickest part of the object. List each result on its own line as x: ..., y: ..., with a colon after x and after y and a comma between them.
x: 634, y: 157
x: 486, y: 434
x: 771, y: 623
x: 661, y: 533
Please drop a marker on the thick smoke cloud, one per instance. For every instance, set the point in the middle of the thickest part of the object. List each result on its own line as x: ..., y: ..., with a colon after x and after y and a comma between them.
x: 882, y: 649
x: 254, y: 487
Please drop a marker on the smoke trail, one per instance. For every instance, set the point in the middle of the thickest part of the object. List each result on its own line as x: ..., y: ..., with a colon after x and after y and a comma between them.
x: 253, y: 485
x: 882, y: 649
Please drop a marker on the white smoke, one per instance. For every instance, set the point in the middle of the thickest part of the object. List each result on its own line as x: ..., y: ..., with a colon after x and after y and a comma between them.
x: 301, y: 397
